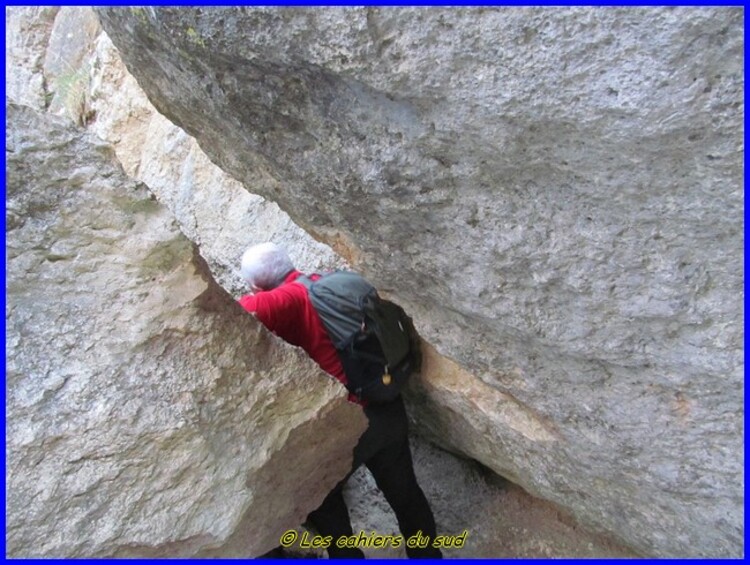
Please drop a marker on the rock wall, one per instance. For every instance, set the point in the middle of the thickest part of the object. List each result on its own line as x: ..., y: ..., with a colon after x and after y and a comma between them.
x: 29, y: 29
x: 147, y: 413
x: 555, y: 193
x: 213, y: 209
x: 83, y: 79
x: 80, y: 75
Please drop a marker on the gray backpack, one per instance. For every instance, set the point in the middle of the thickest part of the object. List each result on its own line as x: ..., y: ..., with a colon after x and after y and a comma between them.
x: 375, y: 339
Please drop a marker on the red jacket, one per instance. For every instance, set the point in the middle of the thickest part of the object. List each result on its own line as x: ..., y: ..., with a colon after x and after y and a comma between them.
x: 287, y: 311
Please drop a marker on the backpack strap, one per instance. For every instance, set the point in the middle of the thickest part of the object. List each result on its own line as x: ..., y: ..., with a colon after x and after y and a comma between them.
x: 305, y: 281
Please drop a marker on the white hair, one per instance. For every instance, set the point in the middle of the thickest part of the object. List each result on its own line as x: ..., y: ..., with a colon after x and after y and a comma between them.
x: 265, y: 265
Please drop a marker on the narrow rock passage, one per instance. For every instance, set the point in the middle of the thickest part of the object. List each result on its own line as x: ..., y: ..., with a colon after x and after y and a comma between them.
x: 585, y: 297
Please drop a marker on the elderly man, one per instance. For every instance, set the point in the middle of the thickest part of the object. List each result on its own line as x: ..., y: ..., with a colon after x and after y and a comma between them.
x: 284, y: 307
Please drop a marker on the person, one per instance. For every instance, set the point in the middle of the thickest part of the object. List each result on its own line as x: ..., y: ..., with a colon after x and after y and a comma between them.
x: 284, y: 307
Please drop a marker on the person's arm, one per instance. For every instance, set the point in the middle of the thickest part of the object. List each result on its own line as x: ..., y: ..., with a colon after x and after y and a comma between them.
x: 259, y: 304
x: 273, y: 308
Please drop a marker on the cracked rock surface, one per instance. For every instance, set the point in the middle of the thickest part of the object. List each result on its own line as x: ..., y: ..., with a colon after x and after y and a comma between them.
x: 84, y: 80
x: 147, y: 413
x: 556, y: 194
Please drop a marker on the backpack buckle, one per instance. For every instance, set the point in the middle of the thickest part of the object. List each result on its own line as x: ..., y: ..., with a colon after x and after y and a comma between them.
x: 387, y: 379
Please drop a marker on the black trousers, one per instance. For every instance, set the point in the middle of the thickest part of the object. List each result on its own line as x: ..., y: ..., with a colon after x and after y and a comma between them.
x: 384, y: 450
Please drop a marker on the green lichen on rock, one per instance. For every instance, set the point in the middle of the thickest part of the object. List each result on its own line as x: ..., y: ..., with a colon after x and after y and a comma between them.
x: 134, y: 206
x: 195, y: 37
x: 69, y: 91
x: 140, y: 13
x: 165, y: 257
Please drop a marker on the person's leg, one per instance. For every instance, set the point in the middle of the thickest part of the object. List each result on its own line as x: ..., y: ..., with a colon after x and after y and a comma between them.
x: 332, y: 519
x: 384, y: 448
x: 393, y: 470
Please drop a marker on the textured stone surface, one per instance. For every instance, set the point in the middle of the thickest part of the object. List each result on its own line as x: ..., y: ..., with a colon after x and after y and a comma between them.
x: 67, y: 64
x: 210, y: 208
x: 213, y: 209
x: 147, y: 413
x: 87, y: 82
x: 555, y: 193
x: 27, y: 33
x: 502, y: 520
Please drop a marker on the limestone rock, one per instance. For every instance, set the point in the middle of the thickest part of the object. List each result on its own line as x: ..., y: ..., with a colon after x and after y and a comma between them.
x: 555, y: 193
x: 501, y: 520
x: 213, y: 209
x: 67, y: 69
x: 88, y: 83
x: 147, y: 413
x: 27, y: 33
x: 210, y: 208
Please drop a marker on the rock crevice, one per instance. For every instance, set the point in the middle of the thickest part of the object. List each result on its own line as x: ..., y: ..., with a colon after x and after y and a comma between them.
x: 556, y: 196
x: 147, y: 412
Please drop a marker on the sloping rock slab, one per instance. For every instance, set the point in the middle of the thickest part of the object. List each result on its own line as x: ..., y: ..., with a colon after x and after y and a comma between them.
x: 556, y: 194
x: 147, y: 413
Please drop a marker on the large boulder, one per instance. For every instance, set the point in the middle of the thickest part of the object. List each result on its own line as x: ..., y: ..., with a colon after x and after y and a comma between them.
x: 147, y: 413
x: 213, y: 209
x: 28, y: 31
x: 555, y: 193
x: 86, y: 81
